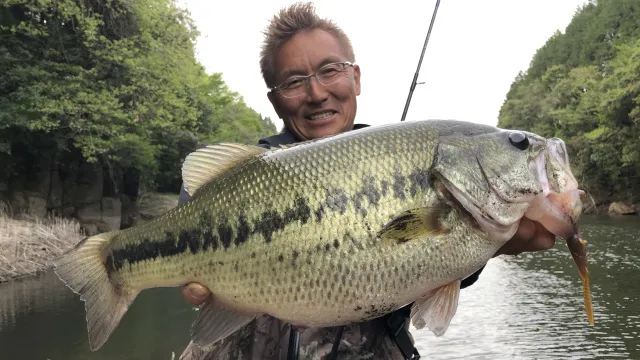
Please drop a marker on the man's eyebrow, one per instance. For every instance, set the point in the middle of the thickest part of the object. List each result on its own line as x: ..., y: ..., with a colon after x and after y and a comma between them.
x: 328, y: 60
x: 290, y: 72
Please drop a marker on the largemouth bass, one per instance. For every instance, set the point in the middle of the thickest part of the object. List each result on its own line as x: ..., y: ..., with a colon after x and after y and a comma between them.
x: 332, y: 231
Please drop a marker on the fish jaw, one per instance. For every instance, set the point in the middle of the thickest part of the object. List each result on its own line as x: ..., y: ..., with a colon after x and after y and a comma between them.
x: 558, y: 213
x: 558, y: 206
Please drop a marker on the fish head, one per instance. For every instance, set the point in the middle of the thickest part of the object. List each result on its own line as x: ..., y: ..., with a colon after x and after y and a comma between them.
x: 500, y: 176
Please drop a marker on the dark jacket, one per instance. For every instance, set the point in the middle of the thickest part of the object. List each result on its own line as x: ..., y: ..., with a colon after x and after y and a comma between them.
x: 268, y: 338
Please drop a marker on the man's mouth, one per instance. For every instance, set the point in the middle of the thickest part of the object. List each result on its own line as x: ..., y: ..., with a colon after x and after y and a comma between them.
x: 320, y: 115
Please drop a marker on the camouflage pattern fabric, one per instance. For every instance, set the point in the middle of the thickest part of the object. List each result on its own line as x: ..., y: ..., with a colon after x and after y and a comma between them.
x: 267, y: 338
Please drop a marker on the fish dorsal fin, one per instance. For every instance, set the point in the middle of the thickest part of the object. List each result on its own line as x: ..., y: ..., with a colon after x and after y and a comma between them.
x: 415, y: 224
x: 286, y: 146
x: 202, y: 165
x: 303, y: 142
x: 289, y: 146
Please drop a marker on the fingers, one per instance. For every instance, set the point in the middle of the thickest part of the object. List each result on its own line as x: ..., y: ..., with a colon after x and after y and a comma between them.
x: 543, y: 240
x: 526, y: 231
x: 195, y: 293
x: 530, y: 237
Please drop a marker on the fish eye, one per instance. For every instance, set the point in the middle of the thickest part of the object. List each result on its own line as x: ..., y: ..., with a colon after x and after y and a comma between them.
x: 519, y: 140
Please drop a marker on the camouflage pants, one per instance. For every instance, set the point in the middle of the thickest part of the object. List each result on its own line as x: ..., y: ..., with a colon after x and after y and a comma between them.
x: 267, y: 338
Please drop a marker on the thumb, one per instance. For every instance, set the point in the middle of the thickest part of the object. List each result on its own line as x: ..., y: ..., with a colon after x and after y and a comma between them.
x: 195, y: 293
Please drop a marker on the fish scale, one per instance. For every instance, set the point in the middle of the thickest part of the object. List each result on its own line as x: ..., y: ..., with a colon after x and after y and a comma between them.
x: 324, y: 233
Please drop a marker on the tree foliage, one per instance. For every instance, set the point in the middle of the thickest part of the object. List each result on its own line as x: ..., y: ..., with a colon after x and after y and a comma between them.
x: 583, y: 86
x: 116, y: 80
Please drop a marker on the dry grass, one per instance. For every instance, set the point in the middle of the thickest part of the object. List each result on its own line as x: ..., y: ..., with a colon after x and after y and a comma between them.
x: 28, y: 244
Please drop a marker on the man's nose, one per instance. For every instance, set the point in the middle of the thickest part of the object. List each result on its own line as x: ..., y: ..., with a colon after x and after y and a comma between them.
x: 316, y: 92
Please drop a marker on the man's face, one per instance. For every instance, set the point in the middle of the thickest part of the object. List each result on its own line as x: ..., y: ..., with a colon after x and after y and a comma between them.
x: 306, y: 114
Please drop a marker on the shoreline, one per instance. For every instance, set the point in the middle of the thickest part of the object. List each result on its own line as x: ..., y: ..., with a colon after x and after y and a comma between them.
x: 28, y: 245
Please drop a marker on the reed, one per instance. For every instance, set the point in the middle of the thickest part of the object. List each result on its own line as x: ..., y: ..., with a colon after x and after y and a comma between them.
x: 28, y: 243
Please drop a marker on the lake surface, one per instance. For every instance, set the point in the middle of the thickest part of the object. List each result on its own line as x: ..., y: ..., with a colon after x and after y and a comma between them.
x: 525, y: 307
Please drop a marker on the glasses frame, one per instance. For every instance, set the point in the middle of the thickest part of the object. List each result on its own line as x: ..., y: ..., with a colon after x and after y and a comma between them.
x: 307, y: 78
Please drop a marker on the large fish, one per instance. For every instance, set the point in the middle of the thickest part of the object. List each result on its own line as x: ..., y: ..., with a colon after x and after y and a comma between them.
x: 333, y: 231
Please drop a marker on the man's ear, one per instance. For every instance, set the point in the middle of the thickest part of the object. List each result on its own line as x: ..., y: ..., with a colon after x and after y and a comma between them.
x: 275, y: 102
x: 356, y: 78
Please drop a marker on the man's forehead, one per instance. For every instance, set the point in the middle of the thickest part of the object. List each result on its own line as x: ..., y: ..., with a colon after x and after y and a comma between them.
x: 307, y: 51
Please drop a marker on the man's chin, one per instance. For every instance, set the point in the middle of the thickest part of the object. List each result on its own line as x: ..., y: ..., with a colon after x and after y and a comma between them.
x: 323, y: 131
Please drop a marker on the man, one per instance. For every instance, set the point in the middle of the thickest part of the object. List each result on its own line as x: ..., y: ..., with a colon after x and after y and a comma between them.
x: 297, y: 46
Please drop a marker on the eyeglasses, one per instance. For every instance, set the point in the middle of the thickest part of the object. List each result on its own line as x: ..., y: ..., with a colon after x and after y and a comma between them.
x: 326, y: 75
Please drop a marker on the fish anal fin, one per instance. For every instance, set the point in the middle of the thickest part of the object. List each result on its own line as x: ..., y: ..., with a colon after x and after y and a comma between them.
x: 204, y: 164
x: 82, y: 269
x: 436, y: 310
x: 415, y: 224
x: 215, y: 322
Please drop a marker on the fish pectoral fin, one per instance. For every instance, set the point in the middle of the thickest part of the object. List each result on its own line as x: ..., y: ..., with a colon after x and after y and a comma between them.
x: 202, y: 165
x: 415, y: 224
x: 437, y: 310
x: 214, y: 323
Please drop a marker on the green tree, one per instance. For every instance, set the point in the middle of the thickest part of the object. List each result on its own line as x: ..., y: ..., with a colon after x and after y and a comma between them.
x: 115, y: 80
x: 583, y: 85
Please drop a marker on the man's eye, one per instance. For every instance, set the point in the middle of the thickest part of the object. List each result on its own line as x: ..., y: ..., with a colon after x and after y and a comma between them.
x: 292, y: 83
x: 329, y: 71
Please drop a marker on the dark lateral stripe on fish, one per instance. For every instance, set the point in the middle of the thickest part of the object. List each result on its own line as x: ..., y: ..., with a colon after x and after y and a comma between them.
x: 370, y: 191
x: 420, y: 179
x: 272, y: 221
x: 399, y: 183
x: 205, y: 237
x: 148, y: 249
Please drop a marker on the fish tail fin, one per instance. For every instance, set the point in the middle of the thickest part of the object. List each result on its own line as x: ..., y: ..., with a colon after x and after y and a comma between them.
x: 83, y: 270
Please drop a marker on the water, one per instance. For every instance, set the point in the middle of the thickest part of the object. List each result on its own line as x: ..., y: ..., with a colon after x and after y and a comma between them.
x: 528, y: 307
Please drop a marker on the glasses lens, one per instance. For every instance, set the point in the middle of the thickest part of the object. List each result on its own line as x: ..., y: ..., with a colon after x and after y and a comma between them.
x: 330, y: 74
x: 326, y: 75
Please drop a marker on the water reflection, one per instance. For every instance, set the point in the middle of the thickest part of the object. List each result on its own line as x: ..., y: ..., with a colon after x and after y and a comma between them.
x: 532, y: 306
x: 41, y: 319
x: 529, y: 307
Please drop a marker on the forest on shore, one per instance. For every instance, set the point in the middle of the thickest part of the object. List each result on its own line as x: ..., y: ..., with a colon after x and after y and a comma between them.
x: 114, y: 83
x: 583, y: 86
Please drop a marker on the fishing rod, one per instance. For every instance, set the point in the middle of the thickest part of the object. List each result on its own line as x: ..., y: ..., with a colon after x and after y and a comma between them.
x: 415, y: 76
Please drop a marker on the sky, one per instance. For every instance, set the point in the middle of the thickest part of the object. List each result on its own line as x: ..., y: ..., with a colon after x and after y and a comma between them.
x: 475, y: 51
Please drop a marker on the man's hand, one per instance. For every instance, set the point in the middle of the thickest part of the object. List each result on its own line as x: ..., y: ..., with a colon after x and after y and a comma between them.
x: 530, y: 237
x: 195, y: 293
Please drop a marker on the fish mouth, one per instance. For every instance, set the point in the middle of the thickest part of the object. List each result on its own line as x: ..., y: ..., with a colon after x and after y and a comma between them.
x: 559, y: 204
x: 558, y: 213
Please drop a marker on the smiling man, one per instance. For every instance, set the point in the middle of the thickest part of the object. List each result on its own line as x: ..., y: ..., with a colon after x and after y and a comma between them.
x: 323, y: 102
x: 309, y: 66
